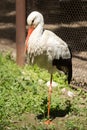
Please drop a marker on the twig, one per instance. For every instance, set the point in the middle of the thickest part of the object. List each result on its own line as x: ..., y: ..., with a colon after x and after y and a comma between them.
x: 76, y: 87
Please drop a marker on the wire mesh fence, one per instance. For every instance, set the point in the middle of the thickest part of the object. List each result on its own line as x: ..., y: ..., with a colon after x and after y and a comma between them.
x: 69, y: 18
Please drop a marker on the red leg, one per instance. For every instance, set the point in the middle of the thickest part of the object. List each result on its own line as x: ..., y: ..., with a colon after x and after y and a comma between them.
x: 49, y: 96
x: 48, y: 122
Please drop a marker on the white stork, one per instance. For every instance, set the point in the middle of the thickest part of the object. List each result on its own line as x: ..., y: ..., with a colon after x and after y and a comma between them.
x: 47, y: 49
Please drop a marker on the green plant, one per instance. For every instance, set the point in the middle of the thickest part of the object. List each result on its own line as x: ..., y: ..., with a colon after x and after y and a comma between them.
x: 24, y: 90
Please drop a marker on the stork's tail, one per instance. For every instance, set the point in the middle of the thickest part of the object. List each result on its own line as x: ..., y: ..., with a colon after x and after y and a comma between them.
x: 69, y: 71
x: 64, y: 65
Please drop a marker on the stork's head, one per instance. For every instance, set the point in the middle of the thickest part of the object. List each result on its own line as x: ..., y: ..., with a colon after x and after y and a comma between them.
x: 34, y: 19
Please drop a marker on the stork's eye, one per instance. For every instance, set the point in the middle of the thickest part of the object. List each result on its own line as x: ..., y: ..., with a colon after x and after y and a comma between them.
x: 32, y: 21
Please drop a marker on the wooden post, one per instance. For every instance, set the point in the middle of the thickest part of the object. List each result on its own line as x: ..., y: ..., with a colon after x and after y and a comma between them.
x: 20, y: 31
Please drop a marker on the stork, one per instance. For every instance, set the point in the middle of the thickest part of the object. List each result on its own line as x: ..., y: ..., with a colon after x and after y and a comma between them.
x: 46, y: 49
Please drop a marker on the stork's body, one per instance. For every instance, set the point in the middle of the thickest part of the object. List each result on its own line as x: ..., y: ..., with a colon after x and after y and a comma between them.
x: 47, y: 49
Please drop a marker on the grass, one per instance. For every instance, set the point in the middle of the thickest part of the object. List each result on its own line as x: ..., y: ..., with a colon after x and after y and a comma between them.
x: 23, y: 100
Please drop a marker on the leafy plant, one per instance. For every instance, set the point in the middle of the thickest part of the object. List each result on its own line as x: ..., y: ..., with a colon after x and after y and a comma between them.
x: 24, y: 90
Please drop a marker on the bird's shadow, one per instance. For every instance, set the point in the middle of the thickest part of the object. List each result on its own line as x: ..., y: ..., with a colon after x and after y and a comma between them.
x: 56, y: 113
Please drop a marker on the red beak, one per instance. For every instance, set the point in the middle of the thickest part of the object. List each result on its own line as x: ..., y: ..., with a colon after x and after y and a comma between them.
x: 30, y: 30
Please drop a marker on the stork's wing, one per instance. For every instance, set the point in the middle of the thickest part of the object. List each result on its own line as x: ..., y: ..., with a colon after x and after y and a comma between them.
x: 60, y: 54
x: 55, y: 47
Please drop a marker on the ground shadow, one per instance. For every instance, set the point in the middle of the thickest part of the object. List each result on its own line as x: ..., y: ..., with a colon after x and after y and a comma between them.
x: 8, y: 33
x: 56, y: 112
x: 7, y: 20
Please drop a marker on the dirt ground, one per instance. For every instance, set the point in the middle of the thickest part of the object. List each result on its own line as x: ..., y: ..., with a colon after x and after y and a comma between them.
x: 8, y: 42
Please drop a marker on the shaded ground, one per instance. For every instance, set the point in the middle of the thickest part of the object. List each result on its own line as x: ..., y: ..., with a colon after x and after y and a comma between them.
x: 7, y: 26
x: 68, y: 32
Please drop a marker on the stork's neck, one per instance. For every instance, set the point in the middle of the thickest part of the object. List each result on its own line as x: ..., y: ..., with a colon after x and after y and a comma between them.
x: 38, y: 31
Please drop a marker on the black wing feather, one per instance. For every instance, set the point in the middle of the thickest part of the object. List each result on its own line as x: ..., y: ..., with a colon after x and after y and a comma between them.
x: 64, y: 65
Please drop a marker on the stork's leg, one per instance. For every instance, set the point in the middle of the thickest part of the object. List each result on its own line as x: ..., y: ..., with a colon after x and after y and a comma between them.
x: 49, y: 96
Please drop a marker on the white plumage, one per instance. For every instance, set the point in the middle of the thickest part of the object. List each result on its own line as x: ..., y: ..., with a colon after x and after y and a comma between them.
x: 47, y: 49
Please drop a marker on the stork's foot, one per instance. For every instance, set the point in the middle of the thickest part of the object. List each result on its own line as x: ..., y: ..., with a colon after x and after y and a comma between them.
x: 48, y: 122
x: 54, y: 84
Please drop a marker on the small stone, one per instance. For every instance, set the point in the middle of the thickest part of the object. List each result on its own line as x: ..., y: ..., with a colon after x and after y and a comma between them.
x: 67, y: 93
x: 54, y: 84
x: 70, y: 94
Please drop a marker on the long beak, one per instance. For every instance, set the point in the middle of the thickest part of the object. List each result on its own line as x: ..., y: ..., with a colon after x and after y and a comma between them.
x: 30, y: 30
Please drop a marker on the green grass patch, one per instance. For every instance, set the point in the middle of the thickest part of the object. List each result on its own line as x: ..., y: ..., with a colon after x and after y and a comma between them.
x: 23, y: 92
